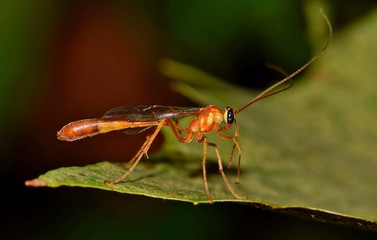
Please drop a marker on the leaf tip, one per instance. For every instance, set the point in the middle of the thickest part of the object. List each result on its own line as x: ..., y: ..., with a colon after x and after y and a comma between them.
x: 35, y: 183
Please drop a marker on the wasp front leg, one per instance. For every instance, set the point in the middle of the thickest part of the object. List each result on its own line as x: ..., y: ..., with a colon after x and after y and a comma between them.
x: 235, y: 145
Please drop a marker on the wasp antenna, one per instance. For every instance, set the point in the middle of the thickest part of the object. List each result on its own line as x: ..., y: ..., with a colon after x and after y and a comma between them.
x: 314, y: 58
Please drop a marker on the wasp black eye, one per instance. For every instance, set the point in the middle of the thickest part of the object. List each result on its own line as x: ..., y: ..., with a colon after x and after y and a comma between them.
x: 228, y: 115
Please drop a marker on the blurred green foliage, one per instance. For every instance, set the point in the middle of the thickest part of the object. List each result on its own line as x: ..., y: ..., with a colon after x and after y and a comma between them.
x: 26, y: 37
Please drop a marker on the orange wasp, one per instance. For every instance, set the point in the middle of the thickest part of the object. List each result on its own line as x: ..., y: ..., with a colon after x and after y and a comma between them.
x: 136, y: 119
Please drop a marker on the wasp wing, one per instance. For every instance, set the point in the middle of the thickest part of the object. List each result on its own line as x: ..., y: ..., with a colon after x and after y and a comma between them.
x: 145, y: 113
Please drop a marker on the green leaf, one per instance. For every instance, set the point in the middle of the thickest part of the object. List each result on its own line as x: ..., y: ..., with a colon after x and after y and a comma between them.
x: 311, y: 148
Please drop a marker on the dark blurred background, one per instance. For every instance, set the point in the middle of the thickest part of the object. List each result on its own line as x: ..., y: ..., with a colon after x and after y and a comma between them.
x: 65, y: 60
